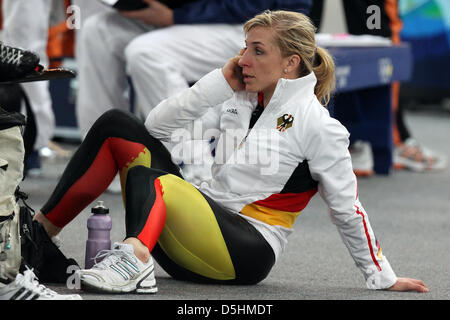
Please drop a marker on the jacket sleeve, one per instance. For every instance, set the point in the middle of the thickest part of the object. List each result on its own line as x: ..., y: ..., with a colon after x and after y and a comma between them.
x: 233, y: 11
x: 193, y: 111
x: 326, y: 147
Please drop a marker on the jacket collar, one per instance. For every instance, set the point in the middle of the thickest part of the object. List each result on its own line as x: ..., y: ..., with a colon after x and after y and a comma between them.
x: 301, y: 88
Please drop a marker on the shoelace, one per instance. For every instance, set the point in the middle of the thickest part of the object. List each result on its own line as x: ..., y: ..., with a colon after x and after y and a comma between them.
x: 106, y: 255
x: 10, y: 55
x: 30, y: 281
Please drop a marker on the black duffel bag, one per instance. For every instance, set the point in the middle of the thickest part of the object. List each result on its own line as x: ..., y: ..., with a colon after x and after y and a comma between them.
x: 39, y: 252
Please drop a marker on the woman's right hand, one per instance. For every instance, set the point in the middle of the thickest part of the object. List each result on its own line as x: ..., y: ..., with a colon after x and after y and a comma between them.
x: 408, y: 284
x: 233, y: 73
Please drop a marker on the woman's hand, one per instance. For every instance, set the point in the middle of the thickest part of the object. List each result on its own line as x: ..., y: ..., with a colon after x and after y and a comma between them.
x: 156, y: 14
x: 233, y: 73
x: 408, y: 284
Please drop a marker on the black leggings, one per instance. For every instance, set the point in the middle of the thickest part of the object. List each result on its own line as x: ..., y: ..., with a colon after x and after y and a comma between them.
x: 190, y: 235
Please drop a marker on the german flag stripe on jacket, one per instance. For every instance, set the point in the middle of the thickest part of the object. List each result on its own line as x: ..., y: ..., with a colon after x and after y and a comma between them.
x: 283, y: 208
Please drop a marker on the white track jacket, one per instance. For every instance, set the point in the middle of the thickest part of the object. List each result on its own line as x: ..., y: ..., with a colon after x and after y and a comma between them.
x: 269, y: 173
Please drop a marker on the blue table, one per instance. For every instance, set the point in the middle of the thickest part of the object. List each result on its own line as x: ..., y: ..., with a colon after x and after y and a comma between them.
x: 362, y: 102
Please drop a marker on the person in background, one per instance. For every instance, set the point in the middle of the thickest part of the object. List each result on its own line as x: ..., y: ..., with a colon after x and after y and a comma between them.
x: 23, y: 28
x: 48, y: 35
x: 408, y: 153
x: 163, y: 48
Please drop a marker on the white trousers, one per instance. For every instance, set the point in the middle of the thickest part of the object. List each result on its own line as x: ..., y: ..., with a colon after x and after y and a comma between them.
x: 86, y: 9
x: 160, y: 62
x: 26, y: 25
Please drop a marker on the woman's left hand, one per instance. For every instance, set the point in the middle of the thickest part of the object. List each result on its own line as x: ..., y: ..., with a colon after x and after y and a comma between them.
x: 408, y: 284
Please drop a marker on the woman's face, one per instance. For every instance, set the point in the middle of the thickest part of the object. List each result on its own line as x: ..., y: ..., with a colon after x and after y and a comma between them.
x: 262, y: 63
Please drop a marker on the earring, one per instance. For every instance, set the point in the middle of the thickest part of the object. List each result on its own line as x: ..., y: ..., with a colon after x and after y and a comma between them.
x: 285, y: 70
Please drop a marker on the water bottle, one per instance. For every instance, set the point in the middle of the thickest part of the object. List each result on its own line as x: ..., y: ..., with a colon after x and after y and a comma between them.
x: 99, y: 227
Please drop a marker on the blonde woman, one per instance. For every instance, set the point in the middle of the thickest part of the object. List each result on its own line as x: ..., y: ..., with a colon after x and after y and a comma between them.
x: 275, y: 146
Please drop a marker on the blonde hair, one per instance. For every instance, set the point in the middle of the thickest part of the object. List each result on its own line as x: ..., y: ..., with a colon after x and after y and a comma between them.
x: 295, y: 34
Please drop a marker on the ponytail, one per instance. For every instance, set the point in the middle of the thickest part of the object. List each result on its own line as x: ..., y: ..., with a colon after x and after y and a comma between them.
x: 323, y: 68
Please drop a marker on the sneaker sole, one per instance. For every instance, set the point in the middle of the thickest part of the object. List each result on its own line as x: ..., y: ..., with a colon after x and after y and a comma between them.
x: 363, y: 173
x: 136, y: 285
x: 95, y: 288
x: 419, y: 168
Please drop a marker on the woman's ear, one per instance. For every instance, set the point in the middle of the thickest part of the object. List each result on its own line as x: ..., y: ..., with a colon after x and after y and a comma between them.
x: 292, y: 63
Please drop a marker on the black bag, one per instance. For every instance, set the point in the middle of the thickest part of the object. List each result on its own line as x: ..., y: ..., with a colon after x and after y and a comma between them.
x: 39, y: 252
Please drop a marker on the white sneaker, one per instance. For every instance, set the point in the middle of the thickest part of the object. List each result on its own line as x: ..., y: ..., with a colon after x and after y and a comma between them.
x: 362, y: 158
x: 27, y: 287
x: 119, y: 271
x: 413, y: 156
